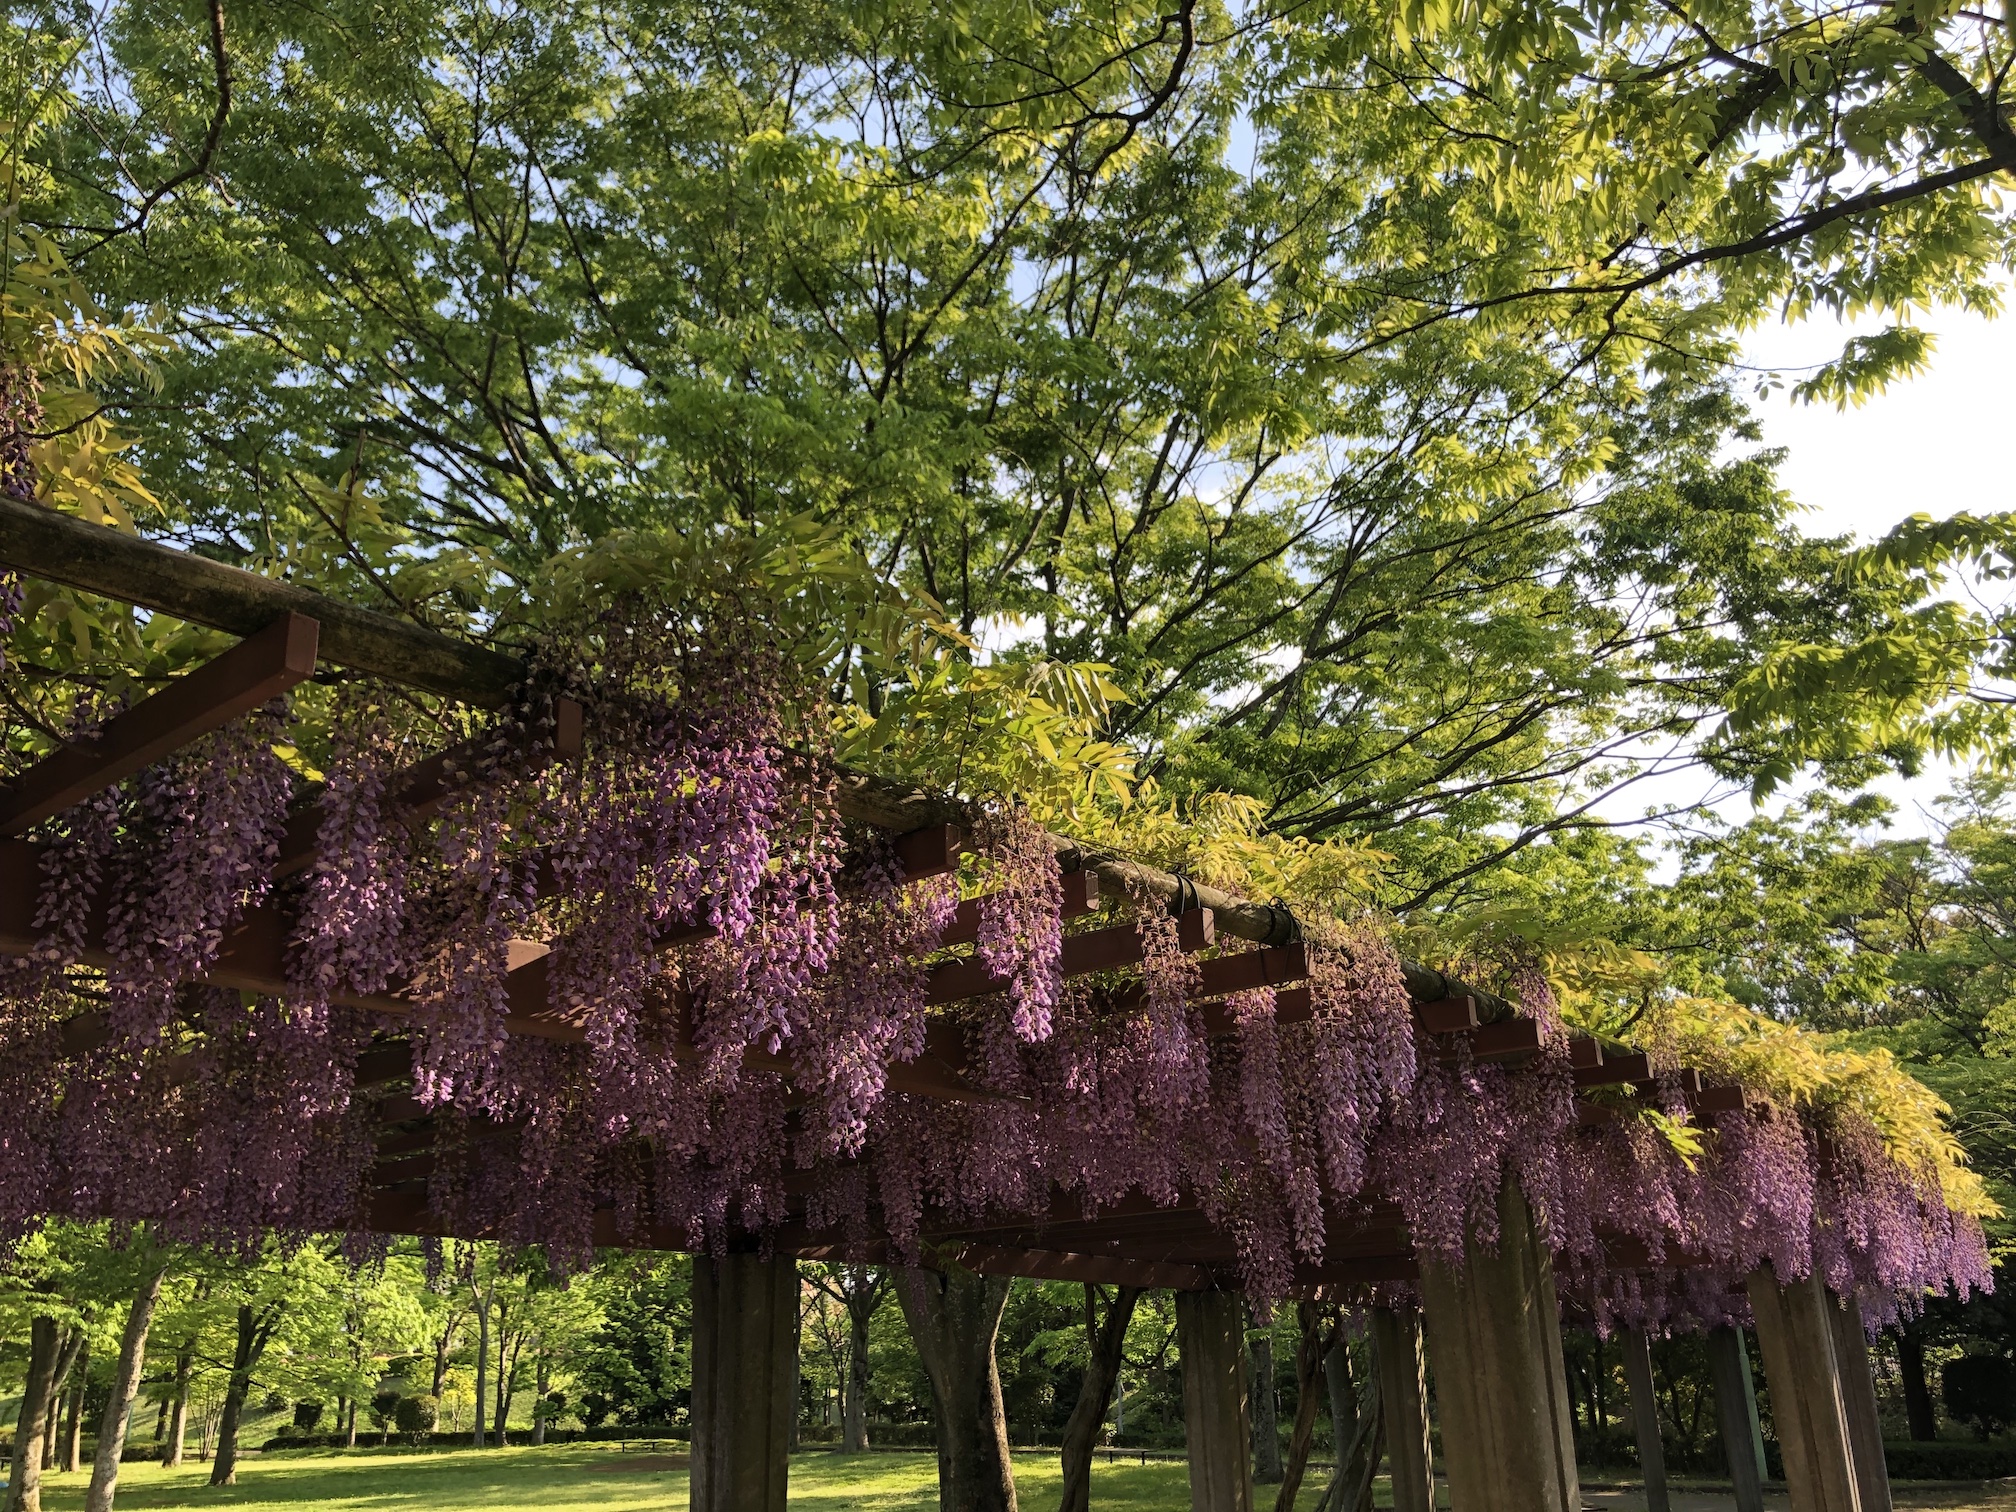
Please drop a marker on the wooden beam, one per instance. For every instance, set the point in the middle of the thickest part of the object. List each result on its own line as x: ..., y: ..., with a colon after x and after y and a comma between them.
x: 1081, y: 897
x: 262, y: 666
x: 420, y: 790
x: 1508, y: 1039
x: 1451, y: 1015
x: 1083, y: 954
x: 1613, y: 1070
x: 60, y: 548
x: 930, y: 851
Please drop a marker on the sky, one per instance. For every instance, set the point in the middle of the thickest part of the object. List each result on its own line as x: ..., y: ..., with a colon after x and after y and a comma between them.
x: 1935, y: 443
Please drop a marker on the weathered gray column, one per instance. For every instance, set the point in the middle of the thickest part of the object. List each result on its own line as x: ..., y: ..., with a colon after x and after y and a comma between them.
x: 1796, y: 1338
x: 1736, y: 1408
x: 745, y: 1350
x: 1645, y: 1418
x: 1403, y: 1388
x: 1211, y: 1334
x: 1494, y: 1335
x: 1858, y: 1398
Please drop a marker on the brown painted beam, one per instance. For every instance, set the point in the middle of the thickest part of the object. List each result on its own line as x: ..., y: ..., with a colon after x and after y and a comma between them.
x: 260, y: 667
x: 1081, y: 897
x: 420, y: 791
x: 1083, y: 954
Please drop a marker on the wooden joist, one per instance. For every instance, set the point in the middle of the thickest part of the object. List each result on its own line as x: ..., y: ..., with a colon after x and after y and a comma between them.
x: 420, y: 791
x: 1083, y: 954
x: 1081, y: 897
x: 260, y: 667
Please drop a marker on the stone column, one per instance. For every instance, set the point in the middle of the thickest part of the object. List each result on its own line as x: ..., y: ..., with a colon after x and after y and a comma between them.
x: 1403, y: 1391
x: 1796, y: 1337
x: 1858, y: 1397
x: 1210, y: 1333
x: 745, y: 1350
x: 1736, y: 1408
x: 1645, y: 1418
x: 1494, y: 1337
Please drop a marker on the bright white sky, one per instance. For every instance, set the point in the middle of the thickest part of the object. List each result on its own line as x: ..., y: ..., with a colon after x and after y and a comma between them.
x: 1937, y: 443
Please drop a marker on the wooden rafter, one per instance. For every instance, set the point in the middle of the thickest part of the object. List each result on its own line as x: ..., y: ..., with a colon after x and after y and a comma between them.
x: 260, y: 667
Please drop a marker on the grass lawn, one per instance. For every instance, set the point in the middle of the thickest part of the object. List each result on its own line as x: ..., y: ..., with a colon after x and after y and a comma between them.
x: 589, y: 1478
x: 593, y: 1478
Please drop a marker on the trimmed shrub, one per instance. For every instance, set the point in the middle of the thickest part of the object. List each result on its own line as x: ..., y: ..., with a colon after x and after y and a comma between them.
x: 1980, y: 1389
x: 416, y: 1415
x: 1947, y: 1461
x: 307, y: 1415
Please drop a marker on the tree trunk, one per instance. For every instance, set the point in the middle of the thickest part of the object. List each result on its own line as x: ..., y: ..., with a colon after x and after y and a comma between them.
x: 119, y: 1406
x: 1917, y: 1393
x: 1343, y: 1395
x: 253, y: 1332
x: 482, y: 1360
x: 863, y: 1296
x: 24, y: 1491
x: 1310, y: 1352
x: 542, y: 1383
x: 178, y: 1414
x: 66, y: 1360
x: 1102, y: 1370
x: 502, y: 1390
x: 954, y: 1319
x: 70, y: 1459
x: 350, y: 1425
x: 1266, y: 1429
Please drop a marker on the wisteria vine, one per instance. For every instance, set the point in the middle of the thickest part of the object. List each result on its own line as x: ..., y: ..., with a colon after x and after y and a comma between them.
x: 663, y: 994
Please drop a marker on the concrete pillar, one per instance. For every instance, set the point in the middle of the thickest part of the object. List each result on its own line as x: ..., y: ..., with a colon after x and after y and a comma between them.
x: 1736, y: 1408
x: 1210, y: 1332
x: 1858, y: 1397
x: 1494, y: 1336
x: 1645, y: 1418
x: 1796, y: 1337
x: 745, y: 1350
x: 1403, y: 1394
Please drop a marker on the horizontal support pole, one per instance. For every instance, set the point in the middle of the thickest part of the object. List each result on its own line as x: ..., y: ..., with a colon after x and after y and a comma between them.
x: 59, y: 548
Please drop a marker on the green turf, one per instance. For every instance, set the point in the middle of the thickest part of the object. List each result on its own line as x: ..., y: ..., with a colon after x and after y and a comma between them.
x: 591, y: 1478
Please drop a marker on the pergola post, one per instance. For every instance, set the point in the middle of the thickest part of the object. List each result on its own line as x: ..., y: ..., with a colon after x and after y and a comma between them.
x: 745, y: 1349
x: 1645, y: 1417
x: 1858, y: 1397
x: 1403, y: 1394
x: 1796, y: 1336
x: 1736, y: 1408
x: 1494, y: 1335
x: 1211, y: 1334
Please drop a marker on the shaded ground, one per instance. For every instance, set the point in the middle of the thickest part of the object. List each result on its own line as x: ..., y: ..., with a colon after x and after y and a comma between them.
x: 588, y: 1478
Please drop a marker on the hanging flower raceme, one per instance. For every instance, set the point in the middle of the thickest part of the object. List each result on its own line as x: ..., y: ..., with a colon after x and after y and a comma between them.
x: 202, y: 839
x: 350, y: 931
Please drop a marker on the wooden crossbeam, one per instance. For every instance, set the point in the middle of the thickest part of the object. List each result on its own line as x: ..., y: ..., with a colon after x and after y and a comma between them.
x: 1508, y: 1039
x: 1613, y: 1070
x: 1449, y: 1015
x: 930, y: 852
x: 420, y: 790
x: 1081, y: 897
x: 1083, y: 954
x: 258, y: 668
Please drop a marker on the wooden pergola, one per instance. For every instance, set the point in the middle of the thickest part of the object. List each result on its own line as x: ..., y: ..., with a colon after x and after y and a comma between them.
x: 1493, y: 1323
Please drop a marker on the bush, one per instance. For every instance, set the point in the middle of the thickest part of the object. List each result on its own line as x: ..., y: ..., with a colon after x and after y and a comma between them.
x: 1980, y: 1389
x: 307, y: 1415
x: 416, y: 1415
x: 383, y: 1405
x: 1961, y: 1462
